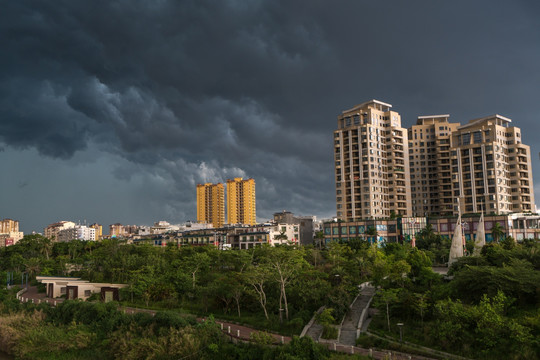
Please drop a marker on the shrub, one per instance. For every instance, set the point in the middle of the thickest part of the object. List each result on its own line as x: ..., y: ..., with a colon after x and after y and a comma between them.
x: 329, y: 332
x: 261, y: 338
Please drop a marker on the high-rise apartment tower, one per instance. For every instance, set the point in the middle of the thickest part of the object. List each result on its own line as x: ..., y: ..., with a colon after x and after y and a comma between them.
x: 211, y: 204
x: 241, y: 207
x: 429, y: 159
x: 371, y: 163
x: 491, y: 167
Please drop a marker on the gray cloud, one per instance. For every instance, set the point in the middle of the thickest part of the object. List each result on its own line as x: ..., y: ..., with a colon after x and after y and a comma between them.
x: 184, y: 92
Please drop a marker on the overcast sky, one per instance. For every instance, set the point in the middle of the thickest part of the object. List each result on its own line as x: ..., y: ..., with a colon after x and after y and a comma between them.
x: 113, y: 111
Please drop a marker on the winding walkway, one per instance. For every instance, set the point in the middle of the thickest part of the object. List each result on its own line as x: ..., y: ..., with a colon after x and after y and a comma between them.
x: 352, y: 322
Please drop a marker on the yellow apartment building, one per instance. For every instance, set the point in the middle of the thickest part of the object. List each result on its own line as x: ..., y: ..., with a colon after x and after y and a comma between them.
x: 211, y: 204
x: 241, y: 204
x: 9, y: 225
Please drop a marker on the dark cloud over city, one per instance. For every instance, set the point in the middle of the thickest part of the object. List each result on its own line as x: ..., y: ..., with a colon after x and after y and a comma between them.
x: 112, y: 111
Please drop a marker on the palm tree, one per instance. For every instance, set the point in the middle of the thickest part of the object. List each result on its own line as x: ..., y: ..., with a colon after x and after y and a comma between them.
x: 319, y: 236
x: 497, y: 232
x: 46, y: 247
x: 372, y: 231
x: 33, y: 266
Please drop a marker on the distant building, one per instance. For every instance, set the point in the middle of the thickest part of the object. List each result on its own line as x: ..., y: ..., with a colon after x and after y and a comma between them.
x: 78, y: 232
x: 99, y: 231
x: 241, y: 203
x: 9, y: 225
x: 305, y: 223
x: 52, y: 230
x: 239, y: 237
x: 162, y: 227
x: 6, y: 240
x: 9, y: 232
x: 211, y: 204
x: 117, y: 230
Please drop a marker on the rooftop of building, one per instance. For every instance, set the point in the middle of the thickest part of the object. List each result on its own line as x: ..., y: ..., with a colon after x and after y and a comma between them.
x: 426, y: 119
x: 499, y: 120
x: 379, y: 105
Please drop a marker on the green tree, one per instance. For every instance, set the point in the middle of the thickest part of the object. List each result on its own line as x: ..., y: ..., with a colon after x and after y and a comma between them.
x: 497, y: 232
x: 33, y: 266
x: 372, y: 233
x: 421, y: 305
x: 508, y: 243
x: 46, y: 247
x: 399, y: 271
x: 195, y: 263
x: 326, y: 319
x: 418, y: 260
x: 388, y: 296
x: 286, y: 264
x: 257, y: 277
x: 319, y: 239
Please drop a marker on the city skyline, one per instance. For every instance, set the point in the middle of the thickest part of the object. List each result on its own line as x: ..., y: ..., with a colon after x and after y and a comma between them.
x: 116, y: 118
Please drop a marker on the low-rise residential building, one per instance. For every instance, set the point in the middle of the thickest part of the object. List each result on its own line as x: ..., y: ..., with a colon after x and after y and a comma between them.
x: 99, y: 231
x: 78, y: 232
x: 117, y: 230
x: 520, y: 226
x: 162, y: 227
x: 386, y: 230
x: 8, y: 240
x: 76, y: 288
x: 9, y: 232
x: 52, y: 230
x: 306, y: 224
x: 240, y: 237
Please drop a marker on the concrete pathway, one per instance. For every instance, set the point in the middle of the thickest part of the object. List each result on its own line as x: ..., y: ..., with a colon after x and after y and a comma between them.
x: 312, y: 328
x: 349, y: 328
x: 32, y: 295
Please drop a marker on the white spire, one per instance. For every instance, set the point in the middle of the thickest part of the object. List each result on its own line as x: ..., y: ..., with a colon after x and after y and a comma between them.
x: 456, y: 250
x: 480, y: 237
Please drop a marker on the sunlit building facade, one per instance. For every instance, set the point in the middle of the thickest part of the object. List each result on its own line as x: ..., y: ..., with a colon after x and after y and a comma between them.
x: 371, y: 160
x: 491, y: 168
x: 211, y: 204
x: 431, y: 171
x: 241, y: 202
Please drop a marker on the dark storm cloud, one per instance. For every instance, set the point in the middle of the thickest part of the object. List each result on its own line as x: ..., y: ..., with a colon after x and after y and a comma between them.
x: 196, y: 91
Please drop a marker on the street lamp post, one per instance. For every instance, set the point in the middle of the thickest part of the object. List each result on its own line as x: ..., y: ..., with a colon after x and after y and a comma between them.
x: 400, y: 325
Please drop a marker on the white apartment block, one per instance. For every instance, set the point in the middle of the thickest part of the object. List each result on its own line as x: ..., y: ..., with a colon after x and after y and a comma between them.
x: 78, y: 232
x: 52, y: 230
